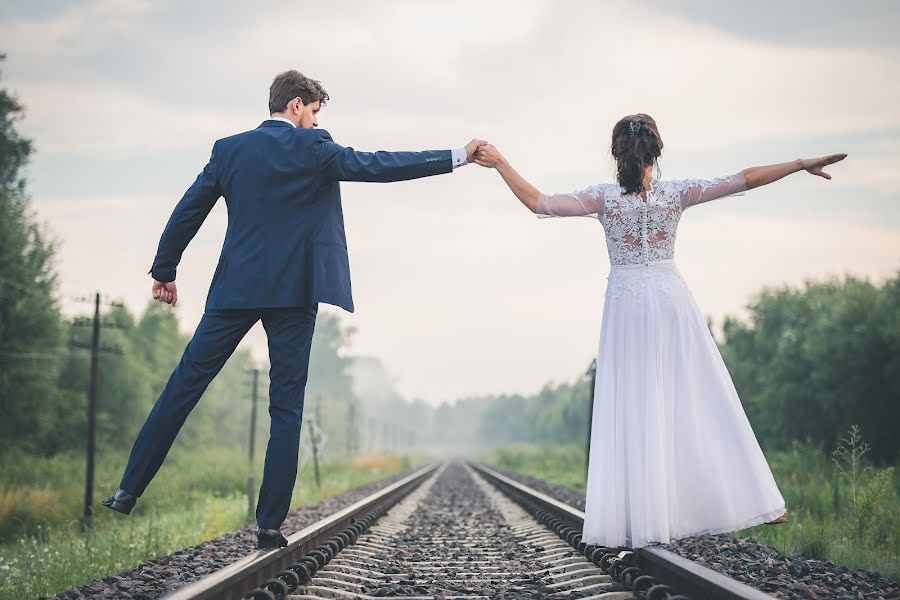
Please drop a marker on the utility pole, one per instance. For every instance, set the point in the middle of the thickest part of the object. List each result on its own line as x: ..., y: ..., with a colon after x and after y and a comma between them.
x: 92, y: 418
x: 316, y: 439
x: 592, y: 371
x: 88, y: 512
x: 373, y: 434
x: 351, y: 428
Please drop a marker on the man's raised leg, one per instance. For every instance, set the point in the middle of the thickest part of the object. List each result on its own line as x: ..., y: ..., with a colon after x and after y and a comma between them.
x: 290, y: 332
x: 215, y: 339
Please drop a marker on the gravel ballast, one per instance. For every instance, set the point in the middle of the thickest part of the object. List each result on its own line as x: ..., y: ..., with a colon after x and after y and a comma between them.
x: 457, y: 536
x: 165, y: 574
x: 755, y: 564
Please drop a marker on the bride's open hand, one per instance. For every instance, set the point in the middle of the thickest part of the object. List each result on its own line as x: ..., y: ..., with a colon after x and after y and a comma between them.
x: 813, y: 165
x: 488, y: 156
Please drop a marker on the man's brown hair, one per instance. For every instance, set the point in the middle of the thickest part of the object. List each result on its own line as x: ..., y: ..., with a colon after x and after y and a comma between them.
x: 290, y: 84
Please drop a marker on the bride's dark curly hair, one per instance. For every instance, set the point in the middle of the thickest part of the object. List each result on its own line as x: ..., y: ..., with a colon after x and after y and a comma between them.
x: 635, y: 144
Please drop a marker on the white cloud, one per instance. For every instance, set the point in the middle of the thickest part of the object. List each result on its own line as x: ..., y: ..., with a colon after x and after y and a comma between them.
x: 105, y: 120
x: 80, y: 28
x: 874, y: 165
x: 728, y: 259
x: 108, y: 244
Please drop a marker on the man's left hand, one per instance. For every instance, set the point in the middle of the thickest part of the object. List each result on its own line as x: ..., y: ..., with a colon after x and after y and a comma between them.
x: 165, y: 292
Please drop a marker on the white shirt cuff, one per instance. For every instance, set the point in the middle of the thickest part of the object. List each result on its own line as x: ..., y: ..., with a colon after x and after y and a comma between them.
x: 460, y: 158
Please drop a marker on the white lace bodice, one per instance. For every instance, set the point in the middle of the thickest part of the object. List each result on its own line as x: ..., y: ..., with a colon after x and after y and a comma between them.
x: 640, y: 232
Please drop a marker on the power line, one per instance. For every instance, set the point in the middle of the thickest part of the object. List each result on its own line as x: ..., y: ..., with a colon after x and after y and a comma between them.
x: 61, y: 354
x: 26, y: 355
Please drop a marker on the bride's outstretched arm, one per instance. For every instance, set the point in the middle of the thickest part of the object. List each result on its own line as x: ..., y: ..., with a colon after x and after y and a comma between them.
x: 489, y: 156
x: 757, y: 176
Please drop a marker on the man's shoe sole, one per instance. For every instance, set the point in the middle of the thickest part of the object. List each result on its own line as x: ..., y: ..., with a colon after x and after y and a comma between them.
x: 269, y: 544
x: 120, y: 507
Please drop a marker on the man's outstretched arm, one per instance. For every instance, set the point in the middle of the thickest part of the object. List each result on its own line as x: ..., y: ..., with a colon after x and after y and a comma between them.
x: 183, y: 225
x: 346, y: 164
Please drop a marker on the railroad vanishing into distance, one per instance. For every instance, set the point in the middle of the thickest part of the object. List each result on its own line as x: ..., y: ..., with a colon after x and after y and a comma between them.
x: 459, y: 530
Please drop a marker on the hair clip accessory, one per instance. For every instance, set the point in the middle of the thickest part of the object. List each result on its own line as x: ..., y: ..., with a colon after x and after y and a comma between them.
x: 633, y: 128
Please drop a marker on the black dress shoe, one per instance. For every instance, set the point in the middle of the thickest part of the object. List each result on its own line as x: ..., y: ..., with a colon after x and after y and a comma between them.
x: 121, y: 501
x: 270, y: 538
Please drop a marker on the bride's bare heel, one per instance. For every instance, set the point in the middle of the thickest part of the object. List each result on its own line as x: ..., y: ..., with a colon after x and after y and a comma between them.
x: 781, y: 519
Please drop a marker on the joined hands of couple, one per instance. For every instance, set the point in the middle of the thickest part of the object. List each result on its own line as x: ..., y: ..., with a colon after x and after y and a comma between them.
x: 483, y: 153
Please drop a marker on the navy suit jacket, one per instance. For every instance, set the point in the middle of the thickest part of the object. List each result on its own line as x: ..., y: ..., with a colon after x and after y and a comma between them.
x: 285, y: 244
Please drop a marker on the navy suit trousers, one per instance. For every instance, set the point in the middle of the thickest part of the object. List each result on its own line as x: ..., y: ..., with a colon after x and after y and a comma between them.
x: 290, y: 332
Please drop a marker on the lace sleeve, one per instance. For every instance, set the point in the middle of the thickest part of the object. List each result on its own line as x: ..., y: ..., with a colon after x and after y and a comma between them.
x: 588, y: 201
x: 698, y: 191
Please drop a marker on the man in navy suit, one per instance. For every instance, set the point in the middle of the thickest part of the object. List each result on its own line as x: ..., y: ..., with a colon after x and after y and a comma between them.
x: 284, y: 252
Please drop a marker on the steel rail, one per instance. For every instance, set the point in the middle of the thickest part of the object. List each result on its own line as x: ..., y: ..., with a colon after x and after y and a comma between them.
x: 252, y: 574
x: 648, y: 567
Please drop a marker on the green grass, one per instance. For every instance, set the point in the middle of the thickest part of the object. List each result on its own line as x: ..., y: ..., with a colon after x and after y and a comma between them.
x: 824, y: 520
x: 194, y: 498
x: 559, y: 464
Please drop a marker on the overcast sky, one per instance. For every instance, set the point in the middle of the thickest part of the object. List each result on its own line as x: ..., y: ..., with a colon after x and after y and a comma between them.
x: 460, y: 290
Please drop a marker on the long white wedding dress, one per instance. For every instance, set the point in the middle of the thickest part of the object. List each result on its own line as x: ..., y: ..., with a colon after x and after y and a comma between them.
x: 672, y: 453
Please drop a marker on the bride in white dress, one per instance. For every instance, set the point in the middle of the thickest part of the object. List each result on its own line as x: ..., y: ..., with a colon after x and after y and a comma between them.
x: 672, y: 453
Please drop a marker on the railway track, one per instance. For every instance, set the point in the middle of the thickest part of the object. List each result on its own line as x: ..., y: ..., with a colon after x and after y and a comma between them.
x: 459, y: 530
